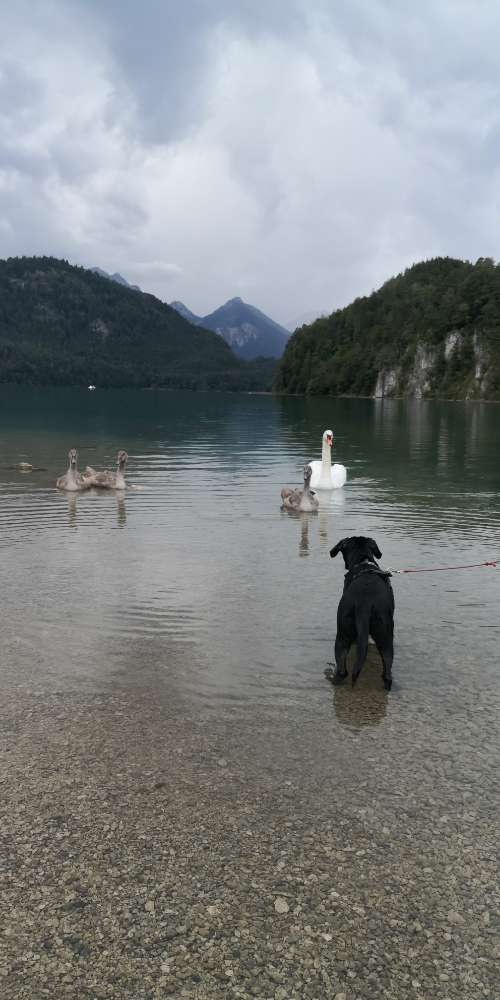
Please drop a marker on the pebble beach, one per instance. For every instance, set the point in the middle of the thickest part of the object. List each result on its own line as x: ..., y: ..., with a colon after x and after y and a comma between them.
x: 150, y: 854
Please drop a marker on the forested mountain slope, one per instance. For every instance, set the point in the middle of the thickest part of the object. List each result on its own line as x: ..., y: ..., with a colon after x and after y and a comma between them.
x: 66, y: 325
x: 432, y: 331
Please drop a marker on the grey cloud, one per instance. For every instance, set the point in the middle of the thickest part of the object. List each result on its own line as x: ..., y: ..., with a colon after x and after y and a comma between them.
x: 157, y: 268
x: 296, y: 153
x: 163, y: 51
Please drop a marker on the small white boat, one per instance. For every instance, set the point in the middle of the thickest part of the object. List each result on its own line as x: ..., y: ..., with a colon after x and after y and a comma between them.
x: 91, y: 388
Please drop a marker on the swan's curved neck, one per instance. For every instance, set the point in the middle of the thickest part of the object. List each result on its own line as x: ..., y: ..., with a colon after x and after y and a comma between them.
x: 326, y: 460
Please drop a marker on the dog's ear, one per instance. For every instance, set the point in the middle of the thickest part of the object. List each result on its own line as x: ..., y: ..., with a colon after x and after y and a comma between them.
x: 372, y: 545
x: 337, y: 548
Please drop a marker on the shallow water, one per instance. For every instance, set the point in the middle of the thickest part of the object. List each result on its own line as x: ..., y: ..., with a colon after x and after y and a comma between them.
x: 195, y: 584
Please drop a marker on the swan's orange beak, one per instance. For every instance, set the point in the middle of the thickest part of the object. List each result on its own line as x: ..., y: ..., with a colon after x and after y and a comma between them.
x: 329, y: 439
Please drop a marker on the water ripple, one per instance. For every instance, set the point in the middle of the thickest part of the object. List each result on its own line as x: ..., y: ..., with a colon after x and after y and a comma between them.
x: 196, y: 574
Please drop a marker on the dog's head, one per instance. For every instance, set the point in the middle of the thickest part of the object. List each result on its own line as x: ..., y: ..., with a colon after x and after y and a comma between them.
x: 356, y: 549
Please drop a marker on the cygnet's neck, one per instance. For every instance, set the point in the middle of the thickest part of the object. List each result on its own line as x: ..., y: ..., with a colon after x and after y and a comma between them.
x: 120, y: 476
x: 72, y: 474
x: 306, y: 500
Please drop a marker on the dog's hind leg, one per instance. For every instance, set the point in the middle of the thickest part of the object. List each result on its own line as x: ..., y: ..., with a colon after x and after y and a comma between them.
x: 383, y: 635
x: 387, y: 654
x: 362, y: 628
x: 341, y: 651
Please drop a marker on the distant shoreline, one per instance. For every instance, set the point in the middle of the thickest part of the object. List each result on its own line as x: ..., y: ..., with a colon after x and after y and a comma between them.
x: 244, y: 392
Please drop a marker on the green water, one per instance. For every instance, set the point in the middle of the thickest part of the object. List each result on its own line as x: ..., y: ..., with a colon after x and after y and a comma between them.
x: 196, y: 585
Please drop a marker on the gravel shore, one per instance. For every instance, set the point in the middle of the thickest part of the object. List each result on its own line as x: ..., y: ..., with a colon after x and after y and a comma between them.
x: 149, y: 851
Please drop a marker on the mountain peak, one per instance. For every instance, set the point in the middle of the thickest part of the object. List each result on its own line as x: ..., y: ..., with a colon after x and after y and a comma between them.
x: 120, y: 280
x: 185, y: 312
x: 247, y: 330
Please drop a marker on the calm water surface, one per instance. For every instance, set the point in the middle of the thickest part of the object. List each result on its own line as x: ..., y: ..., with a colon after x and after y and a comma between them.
x: 195, y: 584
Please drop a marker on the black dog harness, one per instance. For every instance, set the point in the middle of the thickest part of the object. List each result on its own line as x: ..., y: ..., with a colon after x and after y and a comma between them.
x: 365, y: 567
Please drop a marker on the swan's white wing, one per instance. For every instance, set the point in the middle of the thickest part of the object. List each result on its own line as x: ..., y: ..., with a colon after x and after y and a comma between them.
x: 339, y: 475
x: 316, y: 474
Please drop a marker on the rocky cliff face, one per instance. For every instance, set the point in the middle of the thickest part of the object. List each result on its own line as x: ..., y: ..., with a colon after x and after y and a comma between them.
x: 433, y: 367
x: 387, y: 383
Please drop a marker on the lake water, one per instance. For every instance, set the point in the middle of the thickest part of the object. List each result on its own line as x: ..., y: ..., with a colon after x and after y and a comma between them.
x: 168, y: 739
x: 196, y: 583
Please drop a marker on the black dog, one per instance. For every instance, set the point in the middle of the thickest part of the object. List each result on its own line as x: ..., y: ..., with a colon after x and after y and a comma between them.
x: 366, y: 608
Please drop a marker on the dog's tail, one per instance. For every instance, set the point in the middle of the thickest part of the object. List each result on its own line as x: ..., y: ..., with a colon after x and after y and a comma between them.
x: 362, y: 613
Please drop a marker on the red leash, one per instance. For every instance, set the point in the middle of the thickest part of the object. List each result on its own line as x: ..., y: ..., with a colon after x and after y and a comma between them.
x: 442, y: 569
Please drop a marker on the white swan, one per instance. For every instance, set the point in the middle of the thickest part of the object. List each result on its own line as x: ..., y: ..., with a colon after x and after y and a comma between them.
x: 326, y: 476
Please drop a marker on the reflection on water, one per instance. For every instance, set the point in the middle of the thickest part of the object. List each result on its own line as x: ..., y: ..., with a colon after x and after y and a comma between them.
x: 304, y: 534
x: 121, y: 510
x: 303, y: 518
x: 319, y: 521
x: 366, y: 709
x: 367, y: 705
x: 113, y: 498
x: 72, y: 509
x: 323, y: 525
x: 205, y: 587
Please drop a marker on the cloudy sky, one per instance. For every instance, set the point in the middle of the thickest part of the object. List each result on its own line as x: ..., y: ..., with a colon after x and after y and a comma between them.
x: 294, y: 152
